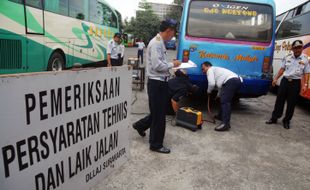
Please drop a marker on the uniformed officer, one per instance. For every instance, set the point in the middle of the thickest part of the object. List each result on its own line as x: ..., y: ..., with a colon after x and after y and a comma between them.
x: 141, y: 46
x: 293, y: 67
x: 157, y: 87
x: 228, y: 83
x: 113, y: 50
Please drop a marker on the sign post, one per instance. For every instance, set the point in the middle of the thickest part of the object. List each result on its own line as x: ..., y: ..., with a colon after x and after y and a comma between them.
x: 64, y: 130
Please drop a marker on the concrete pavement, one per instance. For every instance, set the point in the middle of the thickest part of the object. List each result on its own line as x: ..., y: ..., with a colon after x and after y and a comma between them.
x: 252, y: 155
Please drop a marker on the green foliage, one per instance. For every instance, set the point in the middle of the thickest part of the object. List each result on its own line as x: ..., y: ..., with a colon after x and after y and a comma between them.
x: 145, y: 25
x: 176, y: 12
x: 178, y: 2
x: 143, y: 4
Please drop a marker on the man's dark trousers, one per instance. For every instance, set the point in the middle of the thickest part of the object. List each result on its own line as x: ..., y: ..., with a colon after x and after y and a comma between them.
x: 228, y: 91
x: 140, y: 54
x: 158, y: 98
x: 115, y: 62
x: 288, y: 90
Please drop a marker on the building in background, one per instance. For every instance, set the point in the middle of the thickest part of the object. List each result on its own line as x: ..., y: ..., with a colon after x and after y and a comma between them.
x: 160, y: 9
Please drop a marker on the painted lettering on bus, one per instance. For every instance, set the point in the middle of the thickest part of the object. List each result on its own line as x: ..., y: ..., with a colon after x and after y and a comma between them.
x: 204, y: 54
x: 284, y: 46
x: 230, y: 12
x: 247, y: 58
x: 239, y: 12
x: 238, y: 7
x: 258, y: 48
x: 99, y: 32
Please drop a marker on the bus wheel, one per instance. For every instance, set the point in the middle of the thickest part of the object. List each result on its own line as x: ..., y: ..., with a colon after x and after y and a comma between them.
x: 56, y: 62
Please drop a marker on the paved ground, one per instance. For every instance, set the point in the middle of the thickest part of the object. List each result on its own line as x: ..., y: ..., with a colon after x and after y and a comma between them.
x: 251, y: 155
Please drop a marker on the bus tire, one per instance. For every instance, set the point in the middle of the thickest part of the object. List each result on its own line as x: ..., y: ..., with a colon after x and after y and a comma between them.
x: 56, y: 62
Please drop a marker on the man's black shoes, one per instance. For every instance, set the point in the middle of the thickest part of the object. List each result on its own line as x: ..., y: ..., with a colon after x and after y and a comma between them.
x: 141, y: 133
x: 163, y: 150
x: 271, y: 121
x: 286, y: 125
x: 222, y: 127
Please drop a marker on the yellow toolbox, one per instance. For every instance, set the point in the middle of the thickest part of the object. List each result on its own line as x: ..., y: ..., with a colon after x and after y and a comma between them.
x: 189, y: 118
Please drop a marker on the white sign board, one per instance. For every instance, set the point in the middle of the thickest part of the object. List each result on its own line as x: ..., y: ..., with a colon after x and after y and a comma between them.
x: 64, y: 130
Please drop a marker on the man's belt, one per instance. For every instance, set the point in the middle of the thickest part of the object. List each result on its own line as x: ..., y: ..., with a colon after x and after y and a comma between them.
x: 164, y: 79
x: 290, y: 79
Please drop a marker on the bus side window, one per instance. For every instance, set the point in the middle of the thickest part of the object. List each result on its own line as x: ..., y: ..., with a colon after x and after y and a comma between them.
x: 290, y: 14
x: 95, y: 10
x: 34, y: 3
x: 78, y: 9
x: 113, y: 21
x: 17, y: 1
x: 107, y: 13
x: 304, y: 8
x: 294, y: 27
x: 59, y: 7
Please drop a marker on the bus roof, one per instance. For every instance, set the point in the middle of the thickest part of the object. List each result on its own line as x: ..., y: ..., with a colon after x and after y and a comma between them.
x: 304, y: 2
x: 268, y: 2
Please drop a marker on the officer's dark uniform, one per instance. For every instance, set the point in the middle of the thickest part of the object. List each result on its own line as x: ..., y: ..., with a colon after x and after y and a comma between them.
x: 158, y: 92
x: 294, y: 68
x: 180, y: 86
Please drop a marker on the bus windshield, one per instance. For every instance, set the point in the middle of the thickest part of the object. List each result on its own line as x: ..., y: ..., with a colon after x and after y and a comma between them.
x: 230, y: 20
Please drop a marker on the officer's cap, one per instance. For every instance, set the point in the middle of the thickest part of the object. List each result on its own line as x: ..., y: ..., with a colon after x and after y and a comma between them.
x: 169, y: 23
x: 117, y: 35
x: 297, y: 43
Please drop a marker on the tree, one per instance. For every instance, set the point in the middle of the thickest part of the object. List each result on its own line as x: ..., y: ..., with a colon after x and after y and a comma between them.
x: 146, y: 23
x: 129, y: 25
x: 176, y: 11
x: 144, y: 5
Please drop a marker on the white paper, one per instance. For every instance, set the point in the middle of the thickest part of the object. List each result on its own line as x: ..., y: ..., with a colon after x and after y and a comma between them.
x: 187, y: 65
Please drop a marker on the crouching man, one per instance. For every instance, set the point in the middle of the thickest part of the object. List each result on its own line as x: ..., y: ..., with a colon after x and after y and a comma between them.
x: 228, y: 83
x: 180, y: 87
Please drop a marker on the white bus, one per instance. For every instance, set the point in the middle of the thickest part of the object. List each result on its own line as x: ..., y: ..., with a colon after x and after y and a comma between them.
x: 292, y: 25
x: 44, y: 35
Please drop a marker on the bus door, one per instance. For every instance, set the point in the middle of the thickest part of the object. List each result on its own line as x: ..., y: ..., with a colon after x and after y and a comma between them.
x: 34, y: 17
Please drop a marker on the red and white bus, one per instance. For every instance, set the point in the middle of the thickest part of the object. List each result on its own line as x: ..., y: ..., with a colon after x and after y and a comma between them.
x: 292, y: 25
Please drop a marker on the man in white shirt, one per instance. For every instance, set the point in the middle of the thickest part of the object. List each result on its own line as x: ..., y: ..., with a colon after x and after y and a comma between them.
x: 113, y: 50
x: 141, y: 47
x: 228, y: 83
x: 293, y: 68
